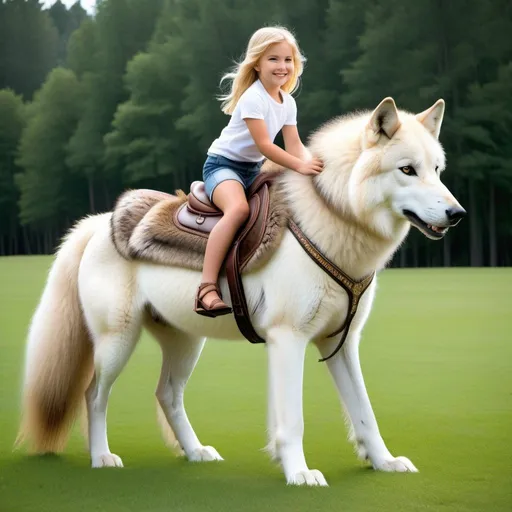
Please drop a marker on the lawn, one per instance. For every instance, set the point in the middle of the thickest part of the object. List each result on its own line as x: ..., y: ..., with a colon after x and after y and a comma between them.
x: 437, y: 358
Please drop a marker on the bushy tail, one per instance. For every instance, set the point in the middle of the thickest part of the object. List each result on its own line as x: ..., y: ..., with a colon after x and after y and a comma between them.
x: 58, y: 361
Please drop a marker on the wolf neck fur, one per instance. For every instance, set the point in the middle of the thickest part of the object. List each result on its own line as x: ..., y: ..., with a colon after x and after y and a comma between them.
x: 354, y: 247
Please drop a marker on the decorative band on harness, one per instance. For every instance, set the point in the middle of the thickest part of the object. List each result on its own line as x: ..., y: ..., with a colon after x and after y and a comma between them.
x: 354, y: 289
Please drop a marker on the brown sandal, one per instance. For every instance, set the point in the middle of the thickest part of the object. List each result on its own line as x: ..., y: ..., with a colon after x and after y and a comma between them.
x: 217, y: 308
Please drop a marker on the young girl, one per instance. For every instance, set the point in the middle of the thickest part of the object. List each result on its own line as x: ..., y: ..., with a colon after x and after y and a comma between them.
x: 260, y: 104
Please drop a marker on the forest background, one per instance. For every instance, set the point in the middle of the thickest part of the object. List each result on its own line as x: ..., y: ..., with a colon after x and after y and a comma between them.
x: 91, y: 105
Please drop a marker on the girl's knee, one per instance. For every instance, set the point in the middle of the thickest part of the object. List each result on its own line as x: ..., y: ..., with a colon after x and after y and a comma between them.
x: 238, y: 212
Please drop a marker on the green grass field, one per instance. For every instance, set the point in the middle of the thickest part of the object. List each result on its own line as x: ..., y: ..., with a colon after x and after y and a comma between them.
x: 436, y: 354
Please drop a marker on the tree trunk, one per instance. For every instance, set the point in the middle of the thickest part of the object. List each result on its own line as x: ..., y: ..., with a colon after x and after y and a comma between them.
x: 90, y: 183
x: 403, y: 256
x: 47, y: 234
x: 106, y: 195
x: 26, y: 241
x: 16, y: 244
x: 476, y: 259
x: 447, y: 261
x: 493, y: 245
x: 415, y: 255
x: 59, y: 233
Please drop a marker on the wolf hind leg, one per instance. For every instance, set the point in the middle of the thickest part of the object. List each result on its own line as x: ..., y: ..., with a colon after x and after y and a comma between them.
x: 180, y: 353
x: 111, y: 353
x: 345, y: 370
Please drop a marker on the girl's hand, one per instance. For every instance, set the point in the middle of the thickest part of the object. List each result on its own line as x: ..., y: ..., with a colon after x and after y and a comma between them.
x: 311, y: 167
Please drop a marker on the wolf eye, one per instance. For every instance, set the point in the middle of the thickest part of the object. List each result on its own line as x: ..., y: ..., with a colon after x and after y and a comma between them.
x: 408, y: 169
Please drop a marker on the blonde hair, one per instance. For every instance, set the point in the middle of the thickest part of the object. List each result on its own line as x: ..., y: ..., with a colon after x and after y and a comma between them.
x: 244, y: 74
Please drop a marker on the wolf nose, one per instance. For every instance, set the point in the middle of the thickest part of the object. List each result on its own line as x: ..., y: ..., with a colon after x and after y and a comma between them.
x: 455, y: 215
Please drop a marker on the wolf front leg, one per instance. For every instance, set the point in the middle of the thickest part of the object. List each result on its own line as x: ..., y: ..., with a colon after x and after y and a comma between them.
x: 286, y: 350
x: 345, y: 370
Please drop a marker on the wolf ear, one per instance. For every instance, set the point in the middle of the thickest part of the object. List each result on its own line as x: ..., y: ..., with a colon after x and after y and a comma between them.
x: 384, y: 120
x: 432, y: 119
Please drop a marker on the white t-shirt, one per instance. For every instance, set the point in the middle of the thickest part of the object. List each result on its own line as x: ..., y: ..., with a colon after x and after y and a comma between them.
x: 235, y: 141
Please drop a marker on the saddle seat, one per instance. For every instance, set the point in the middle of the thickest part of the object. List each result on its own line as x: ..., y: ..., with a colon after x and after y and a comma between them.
x: 198, y: 199
x: 199, y: 215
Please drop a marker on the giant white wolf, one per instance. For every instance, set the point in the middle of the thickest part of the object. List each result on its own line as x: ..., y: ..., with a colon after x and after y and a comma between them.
x: 382, y: 174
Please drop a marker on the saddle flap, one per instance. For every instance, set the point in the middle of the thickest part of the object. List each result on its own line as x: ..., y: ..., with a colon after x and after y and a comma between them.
x: 199, y: 202
x: 197, y: 223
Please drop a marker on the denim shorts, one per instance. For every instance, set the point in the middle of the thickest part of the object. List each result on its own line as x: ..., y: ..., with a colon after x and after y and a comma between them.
x: 218, y: 168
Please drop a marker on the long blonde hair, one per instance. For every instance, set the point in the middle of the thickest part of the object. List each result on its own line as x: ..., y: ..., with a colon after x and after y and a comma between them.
x: 244, y: 74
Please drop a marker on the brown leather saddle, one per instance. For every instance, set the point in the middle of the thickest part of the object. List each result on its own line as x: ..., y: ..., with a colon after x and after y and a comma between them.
x: 199, y: 216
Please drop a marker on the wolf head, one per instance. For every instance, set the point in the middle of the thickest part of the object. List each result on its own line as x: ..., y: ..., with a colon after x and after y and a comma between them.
x: 383, y: 169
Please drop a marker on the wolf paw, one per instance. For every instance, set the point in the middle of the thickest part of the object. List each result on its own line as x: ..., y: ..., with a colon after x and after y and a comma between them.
x: 398, y: 465
x: 204, y: 454
x: 107, y: 460
x: 311, y: 477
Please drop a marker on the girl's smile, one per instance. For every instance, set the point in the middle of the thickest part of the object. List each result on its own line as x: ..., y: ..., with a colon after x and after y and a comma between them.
x: 275, y: 67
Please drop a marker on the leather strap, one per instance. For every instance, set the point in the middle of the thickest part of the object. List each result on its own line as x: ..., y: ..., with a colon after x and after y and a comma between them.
x: 354, y: 289
x: 234, y: 276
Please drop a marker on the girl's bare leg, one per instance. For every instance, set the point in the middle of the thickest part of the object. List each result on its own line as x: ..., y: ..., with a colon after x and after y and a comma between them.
x: 230, y: 197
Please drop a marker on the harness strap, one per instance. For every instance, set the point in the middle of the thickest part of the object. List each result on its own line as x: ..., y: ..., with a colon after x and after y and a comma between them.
x: 354, y: 289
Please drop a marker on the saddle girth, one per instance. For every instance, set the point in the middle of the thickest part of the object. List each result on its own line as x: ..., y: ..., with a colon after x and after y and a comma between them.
x: 235, y: 262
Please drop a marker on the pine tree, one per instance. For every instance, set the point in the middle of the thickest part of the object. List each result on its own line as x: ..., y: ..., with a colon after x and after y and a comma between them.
x: 50, y: 195
x: 12, y: 121
x: 28, y: 46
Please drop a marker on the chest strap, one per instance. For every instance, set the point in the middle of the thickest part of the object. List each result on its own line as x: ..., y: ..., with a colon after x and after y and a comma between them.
x: 354, y: 289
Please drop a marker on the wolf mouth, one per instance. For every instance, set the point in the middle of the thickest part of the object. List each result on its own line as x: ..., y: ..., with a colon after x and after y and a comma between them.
x: 434, y: 232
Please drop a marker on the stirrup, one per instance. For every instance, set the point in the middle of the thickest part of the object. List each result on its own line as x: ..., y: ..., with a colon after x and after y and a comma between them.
x: 217, y: 308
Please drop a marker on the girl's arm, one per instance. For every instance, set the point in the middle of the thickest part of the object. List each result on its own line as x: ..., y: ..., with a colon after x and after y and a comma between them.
x: 293, y: 144
x: 259, y: 133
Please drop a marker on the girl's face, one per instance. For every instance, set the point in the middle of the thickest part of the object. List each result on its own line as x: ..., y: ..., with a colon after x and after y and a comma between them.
x: 275, y: 66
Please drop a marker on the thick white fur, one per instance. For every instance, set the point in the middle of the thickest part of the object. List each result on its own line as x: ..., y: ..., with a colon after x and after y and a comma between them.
x: 355, y: 215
